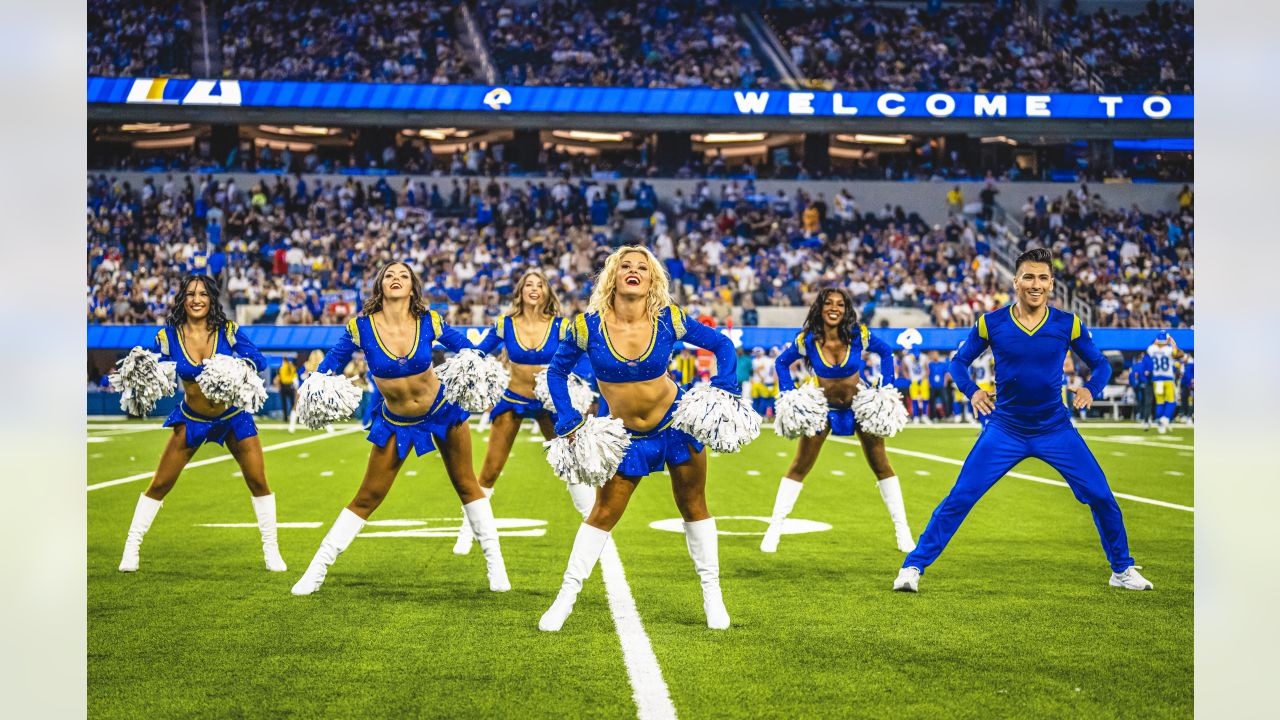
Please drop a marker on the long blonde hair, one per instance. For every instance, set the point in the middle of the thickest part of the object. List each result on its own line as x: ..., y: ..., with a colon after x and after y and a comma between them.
x: 607, y: 282
x: 550, y: 303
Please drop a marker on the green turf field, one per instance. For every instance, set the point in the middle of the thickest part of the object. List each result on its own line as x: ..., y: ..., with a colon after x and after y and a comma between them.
x: 1015, y: 620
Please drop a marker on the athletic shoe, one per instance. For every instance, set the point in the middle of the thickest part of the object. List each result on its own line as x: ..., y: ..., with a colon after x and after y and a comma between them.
x: 1130, y: 580
x: 908, y: 580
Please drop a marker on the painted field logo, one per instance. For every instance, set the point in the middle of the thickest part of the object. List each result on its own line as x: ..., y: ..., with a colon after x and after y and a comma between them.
x: 160, y: 91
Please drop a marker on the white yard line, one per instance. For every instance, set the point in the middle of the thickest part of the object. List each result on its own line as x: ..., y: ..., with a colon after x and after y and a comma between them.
x: 1022, y: 476
x: 1143, y: 443
x: 653, y: 701
x: 221, y: 458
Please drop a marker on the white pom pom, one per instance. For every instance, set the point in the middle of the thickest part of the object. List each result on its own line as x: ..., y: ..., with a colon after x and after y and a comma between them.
x: 228, y: 380
x: 580, y: 393
x: 879, y: 411
x: 802, y: 412
x: 325, y: 398
x: 142, y: 380
x: 721, y: 420
x: 472, y: 380
x: 594, y: 454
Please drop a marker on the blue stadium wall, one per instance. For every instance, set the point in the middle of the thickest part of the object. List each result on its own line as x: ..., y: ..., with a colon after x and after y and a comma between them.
x: 304, y: 338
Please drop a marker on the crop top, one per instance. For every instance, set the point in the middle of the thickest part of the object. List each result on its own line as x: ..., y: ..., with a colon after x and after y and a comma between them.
x: 362, y: 334
x: 807, y: 347
x: 228, y: 340
x: 503, y: 335
x: 589, y: 335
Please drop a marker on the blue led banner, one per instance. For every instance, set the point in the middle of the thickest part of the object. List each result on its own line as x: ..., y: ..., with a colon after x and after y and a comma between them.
x: 310, y: 337
x: 635, y: 101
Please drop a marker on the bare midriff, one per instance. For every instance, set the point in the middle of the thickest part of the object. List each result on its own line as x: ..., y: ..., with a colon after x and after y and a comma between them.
x: 522, y: 378
x: 409, y: 396
x: 195, y: 399
x: 641, y: 404
x: 840, y: 391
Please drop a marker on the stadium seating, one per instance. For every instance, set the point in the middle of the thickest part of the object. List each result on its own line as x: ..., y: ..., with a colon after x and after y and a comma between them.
x: 301, y: 251
x: 967, y: 46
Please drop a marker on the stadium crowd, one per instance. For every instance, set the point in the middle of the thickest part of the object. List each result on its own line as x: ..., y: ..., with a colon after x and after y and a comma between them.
x: 1149, y: 51
x: 1136, y: 268
x: 131, y: 39
x: 846, y: 44
x: 648, y: 44
x: 971, y: 47
x: 410, y: 41
x: 302, y: 249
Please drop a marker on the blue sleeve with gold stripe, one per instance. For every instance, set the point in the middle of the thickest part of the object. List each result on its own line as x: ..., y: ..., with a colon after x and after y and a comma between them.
x: 335, y: 361
x: 448, y: 336
x: 566, y: 358
x: 874, y: 344
x: 492, y: 339
x: 161, y: 345
x: 242, y: 346
x: 970, y: 349
x: 699, y: 335
x: 1099, y: 366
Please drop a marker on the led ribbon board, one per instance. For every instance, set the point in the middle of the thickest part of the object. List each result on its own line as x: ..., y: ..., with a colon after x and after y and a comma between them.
x: 635, y: 101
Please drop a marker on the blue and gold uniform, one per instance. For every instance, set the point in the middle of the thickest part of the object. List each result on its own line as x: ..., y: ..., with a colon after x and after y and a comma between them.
x: 1029, y: 420
x: 841, y: 420
x: 418, y: 433
x: 661, y: 445
x: 503, y: 335
x: 228, y: 340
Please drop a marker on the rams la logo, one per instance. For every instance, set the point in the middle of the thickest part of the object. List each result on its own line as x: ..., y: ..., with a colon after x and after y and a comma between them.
x: 909, y: 338
x: 152, y: 91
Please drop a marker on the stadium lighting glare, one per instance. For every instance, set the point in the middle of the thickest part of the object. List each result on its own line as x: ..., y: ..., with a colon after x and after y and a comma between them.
x: 728, y: 137
x: 164, y: 144
x: 591, y: 136
x: 299, y: 130
x: 873, y: 139
x: 847, y: 153
x: 433, y: 133
x: 153, y: 127
x: 742, y: 151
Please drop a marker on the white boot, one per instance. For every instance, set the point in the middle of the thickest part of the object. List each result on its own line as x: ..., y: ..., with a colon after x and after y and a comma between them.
x: 480, y: 517
x: 788, y: 491
x: 587, y: 546
x: 265, y: 508
x: 704, y: 548
x: 891, y: 493
x: 462, y: 545
x: 339, y: 538
x: 293, y: 421
x: 143, y: 514
x: 584, y: 498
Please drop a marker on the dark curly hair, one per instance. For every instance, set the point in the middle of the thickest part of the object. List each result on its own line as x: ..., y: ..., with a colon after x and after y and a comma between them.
x: 816, y: 328
x: 417, y: 306
x: 177, y: 316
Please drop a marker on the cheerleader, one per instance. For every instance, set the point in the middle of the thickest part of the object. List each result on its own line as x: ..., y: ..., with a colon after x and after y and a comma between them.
x: 833, y: 341
x: 197, y: 330
x: 396, y: 332
x: 530, y: 333
x: 628, y: 334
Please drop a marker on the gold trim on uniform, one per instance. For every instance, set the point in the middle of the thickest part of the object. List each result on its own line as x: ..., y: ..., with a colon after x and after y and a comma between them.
x: 580, y: 330
x: 353, y: 327
x: 677, y: 320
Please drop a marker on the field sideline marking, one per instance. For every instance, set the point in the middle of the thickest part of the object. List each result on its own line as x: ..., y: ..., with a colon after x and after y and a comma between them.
x: 1143, y: 443
x: 653, y: 700
x: 220, y: 458
x: 1023, y: 476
